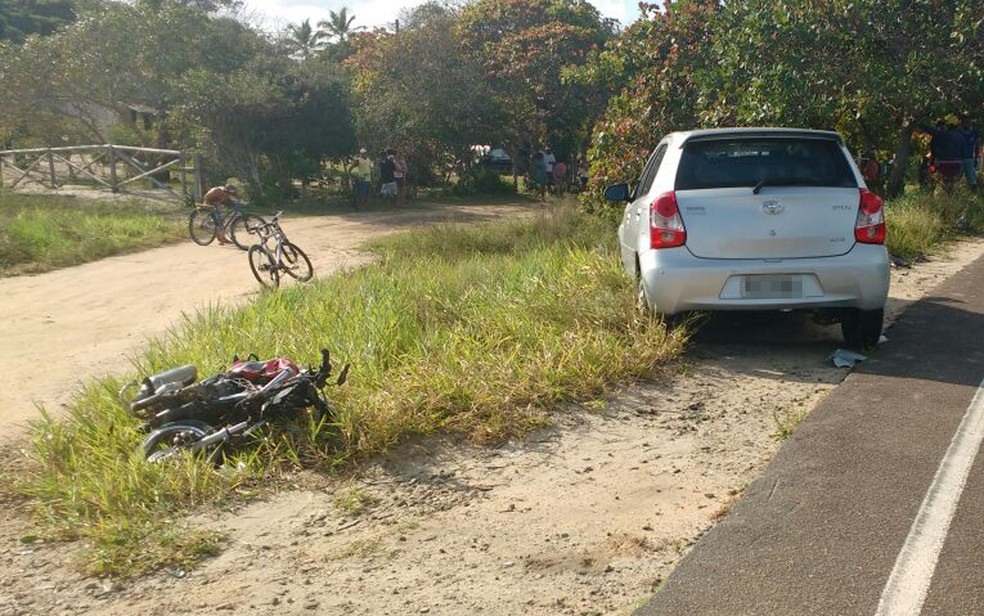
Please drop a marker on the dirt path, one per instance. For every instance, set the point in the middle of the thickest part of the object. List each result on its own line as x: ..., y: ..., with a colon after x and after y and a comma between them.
x: 584, y: 518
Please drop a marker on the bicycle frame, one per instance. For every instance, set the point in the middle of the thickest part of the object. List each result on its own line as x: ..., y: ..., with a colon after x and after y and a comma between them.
x: 224, y: 220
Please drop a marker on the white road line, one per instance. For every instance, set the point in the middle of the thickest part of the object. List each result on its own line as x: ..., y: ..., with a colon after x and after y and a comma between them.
x: 908, y: 584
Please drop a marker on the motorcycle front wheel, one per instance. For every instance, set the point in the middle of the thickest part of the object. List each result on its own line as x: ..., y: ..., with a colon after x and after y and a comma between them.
x: 170, y: 439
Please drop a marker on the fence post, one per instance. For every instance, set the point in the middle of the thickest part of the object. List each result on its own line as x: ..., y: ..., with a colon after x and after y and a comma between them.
x: 51, y: 168
x: 114, y: 182
x: 198, y: 177
x: 182, y: 163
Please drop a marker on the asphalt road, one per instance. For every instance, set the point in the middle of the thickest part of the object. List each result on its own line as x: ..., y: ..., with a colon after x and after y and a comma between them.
x: 831, y: 527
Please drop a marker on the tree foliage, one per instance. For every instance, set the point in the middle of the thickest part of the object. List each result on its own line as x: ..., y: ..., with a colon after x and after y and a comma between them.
x: 872, y: 69
x: 416, y: 91
x: 524, y: 48
x: 515, y: 73
x: 21, y: 18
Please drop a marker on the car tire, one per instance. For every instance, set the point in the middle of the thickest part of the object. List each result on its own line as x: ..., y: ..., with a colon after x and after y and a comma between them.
x: 645, y: 308
x: 642, y: 299
x: 862, y: 328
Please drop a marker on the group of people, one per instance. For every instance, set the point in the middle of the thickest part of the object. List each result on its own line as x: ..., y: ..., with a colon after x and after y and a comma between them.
x: 391, y: 170
x: 954, y: 150
x: 546, y: 173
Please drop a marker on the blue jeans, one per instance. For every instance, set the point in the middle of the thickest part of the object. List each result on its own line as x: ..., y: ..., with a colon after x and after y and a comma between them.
x: 970, y: 170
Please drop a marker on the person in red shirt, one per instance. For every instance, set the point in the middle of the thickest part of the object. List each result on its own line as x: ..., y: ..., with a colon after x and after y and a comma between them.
x: 560, y: 177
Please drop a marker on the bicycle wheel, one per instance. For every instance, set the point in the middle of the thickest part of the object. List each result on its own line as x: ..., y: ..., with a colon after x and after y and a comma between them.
x: 263, y: 266
x: 202, y: 227
x: 242, y: 230
x: 170, y: 439
x: 296, y: 263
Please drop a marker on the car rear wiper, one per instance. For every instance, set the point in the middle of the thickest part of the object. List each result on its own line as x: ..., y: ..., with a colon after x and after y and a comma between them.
x: 782, y: 182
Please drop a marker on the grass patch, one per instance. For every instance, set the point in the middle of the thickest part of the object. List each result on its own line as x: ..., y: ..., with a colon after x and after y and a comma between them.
x: 920, y: 223
x: 353, y: 501
x: 479, y: 331
x: 41, y: 233
x: 787, y: 420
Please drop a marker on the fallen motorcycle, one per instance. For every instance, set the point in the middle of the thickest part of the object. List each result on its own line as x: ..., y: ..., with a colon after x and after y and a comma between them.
x: 182, y: 415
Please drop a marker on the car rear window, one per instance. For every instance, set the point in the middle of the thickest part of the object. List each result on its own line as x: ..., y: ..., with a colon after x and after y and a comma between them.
x: 769, y: 161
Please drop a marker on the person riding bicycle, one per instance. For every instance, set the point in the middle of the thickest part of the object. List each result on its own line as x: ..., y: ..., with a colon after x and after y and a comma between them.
x: 218, y: 196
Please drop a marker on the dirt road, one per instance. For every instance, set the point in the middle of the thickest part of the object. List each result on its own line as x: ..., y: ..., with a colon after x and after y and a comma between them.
x: 587, y: 517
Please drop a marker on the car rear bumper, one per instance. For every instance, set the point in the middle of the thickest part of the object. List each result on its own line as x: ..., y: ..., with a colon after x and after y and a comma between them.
x: 677, y: 281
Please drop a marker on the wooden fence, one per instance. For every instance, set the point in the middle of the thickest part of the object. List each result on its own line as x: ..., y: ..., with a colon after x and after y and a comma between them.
x: 115, y: 167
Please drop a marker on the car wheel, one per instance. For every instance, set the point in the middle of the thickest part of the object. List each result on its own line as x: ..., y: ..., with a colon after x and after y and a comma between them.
x: 642, y: 302
x: 862, y: 328
x: 645, y: 308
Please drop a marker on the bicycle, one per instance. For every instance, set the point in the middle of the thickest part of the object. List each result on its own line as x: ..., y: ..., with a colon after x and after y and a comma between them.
x: 268, y: 261
x: 206, y: 222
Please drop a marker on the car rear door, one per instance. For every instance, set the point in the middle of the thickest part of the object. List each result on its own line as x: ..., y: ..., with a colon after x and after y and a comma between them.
x: 769, y: 197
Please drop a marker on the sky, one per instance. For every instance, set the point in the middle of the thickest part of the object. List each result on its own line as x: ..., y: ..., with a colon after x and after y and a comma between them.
x: 273, y: 15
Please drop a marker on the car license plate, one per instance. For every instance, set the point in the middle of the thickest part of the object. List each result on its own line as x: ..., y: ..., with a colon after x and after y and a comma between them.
x: 772, y: 287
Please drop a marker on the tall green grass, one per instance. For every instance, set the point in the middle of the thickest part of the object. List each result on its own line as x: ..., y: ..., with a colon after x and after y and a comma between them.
x: 482, y: 332
x: 920, y: 223
x: 41, y: 233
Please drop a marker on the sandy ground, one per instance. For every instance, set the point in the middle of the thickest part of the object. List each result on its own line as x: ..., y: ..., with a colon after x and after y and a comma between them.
x: 587, y: 517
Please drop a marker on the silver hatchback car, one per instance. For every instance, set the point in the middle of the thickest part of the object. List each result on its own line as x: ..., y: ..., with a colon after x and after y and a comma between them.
x: 757, y: 219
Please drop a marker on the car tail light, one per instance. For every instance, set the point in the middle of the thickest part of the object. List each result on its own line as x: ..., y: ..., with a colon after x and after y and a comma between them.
x: 665, y: 224
x: 870, y: 226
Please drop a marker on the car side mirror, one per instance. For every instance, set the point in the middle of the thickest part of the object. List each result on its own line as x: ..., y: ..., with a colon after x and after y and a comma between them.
x: 617, y: 192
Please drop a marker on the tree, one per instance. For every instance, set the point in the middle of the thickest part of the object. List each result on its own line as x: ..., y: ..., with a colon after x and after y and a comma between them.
x: 525, y: 48
x: 416, y: 90
x: 659, y: 65
x: 874, y: 70
x: 302, y: 40
x: 267, y: 122
x: 21, y: 18
x: 338, y: 26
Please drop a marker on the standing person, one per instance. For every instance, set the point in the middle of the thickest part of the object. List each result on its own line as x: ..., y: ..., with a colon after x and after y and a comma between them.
x: 871, y: 171
x: 361, y: 170
x: 549, y: 160
x: 560, y: 177
x: 387, y: 174
x: 947, y: 146
x: 582, y: 172
x: 972, y: 140
x: 218, y: 196
x: 400, y: 171
x: 538, y: 175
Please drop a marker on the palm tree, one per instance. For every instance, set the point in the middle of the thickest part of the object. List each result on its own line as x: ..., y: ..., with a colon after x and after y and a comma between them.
x: 303, y: 40
x: 337, y: 26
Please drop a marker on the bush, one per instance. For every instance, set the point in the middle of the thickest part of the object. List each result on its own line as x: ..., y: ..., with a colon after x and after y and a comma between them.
x: 481, y: 180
